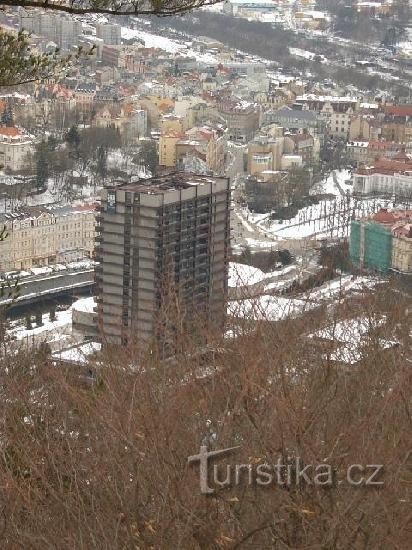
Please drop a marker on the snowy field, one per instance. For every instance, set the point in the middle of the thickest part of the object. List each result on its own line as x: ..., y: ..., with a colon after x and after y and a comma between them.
x: 352, y: 336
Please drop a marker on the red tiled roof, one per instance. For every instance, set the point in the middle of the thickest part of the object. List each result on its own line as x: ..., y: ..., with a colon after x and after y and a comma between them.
x: 402, y: 156
x: 382, y: 145
x: 398, y: 110
x: 403, y: 230
x: 387, y: 166
x: 383, y: 216
x: 11, y: 132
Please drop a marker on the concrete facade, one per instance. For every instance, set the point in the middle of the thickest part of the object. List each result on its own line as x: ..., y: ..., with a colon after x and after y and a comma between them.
x: 162, y: 237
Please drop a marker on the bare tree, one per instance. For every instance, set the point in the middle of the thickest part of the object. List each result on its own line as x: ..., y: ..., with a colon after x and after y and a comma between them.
x: 106, y: 465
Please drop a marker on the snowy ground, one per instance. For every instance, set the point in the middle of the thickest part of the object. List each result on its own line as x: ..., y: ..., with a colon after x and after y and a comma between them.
x: 168, y: 45
x: 298, y: 52
x: 241, y: 275
x: 58, y: 333
x: 351, y: 336
x: 78, y: 354
x: 335, y: 183
x: 328, y: 219
x: 277, y: 308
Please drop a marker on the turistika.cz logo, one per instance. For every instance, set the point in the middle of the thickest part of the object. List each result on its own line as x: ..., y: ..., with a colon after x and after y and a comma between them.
x: 284, y: 472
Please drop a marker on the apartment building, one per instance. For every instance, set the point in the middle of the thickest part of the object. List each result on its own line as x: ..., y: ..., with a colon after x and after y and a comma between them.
x: 39, y: 236
x: 162, y: 238
x: 109, y: 33
x: 68, y: 31
x: 337, y: 121
x: 277, y: 150
x: 167, y: 149
x: 304, y: 145
x: 367, y: 152
x: 199, y: 113
x: 130, y: 121
x: 314, y: 102
x: 274, y: 99
x: 205, y: 143
x: 402, y: 247
x: 242, y: 120
x: 265, y: 154
x: 59, y: 28
x: 337, y: 112
x: 357, y: 151
x: 364, y: 128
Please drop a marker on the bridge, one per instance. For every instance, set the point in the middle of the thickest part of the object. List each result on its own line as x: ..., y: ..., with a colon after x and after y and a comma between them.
x: 34, y: 289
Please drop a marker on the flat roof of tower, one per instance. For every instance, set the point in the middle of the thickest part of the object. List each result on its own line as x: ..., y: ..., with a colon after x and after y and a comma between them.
x: 168, y: 182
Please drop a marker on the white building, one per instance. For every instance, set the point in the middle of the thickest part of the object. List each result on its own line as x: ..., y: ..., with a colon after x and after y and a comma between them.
x: 138, y: 124
x: 386, y: 177
x: 337, y: 122
x: 14, y: 148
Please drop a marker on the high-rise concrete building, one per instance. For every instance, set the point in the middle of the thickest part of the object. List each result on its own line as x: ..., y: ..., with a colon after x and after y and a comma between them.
x: 29, y: 21
x: 59, y: 28
x: 163, y: 241
x: 68, y: 31
x: 109, y: 33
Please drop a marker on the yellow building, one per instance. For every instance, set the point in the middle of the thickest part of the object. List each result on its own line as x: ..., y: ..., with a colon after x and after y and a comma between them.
x: 265, y: 154
x: 171, y: 124
x: 167, y: 149
x: 157, y: 107
x: 216, y: 154
x: 204, y: 142
x: 402, y: 248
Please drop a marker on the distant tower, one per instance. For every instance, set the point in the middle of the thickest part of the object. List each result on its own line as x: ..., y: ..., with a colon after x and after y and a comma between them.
x: 109, y: 33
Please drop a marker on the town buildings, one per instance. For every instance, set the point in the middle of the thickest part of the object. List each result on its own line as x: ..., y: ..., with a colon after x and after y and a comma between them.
x: 336, y: 111
x: 41, y: 236
x: 367, y: 152
x: 280, y: 150
x: 162, y: 242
